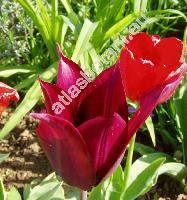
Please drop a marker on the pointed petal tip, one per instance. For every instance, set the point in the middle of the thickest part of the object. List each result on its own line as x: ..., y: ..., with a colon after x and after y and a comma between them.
x: 38, y: 116
x: 34, y: 115
x: 60, y: 54
x: 44, y: 85
x: 41, y: 81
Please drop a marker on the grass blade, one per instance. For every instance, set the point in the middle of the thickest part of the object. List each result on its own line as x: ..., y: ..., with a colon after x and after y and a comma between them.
x: 120, y: 26
x: 84, y: 37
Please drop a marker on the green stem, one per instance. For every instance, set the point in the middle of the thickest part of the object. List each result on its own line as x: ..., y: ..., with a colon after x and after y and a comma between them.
x: 83, y: 195
x: 129, y: 163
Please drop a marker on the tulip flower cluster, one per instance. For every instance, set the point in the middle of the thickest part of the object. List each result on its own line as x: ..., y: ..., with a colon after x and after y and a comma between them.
x: 87, y: 141
x: 7, y: 94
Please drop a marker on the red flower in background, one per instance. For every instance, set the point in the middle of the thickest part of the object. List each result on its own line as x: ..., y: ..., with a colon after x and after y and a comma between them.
x: 151, y: 69
x: 7, y: 94
x: 149, y: 62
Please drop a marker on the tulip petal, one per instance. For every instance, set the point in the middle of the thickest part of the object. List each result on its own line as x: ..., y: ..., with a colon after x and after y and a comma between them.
x: 68, y: 72
x: 103, y: 97
x: 141, y: 45
x: 169, y: 52
x: 53, y: 104
x: 66, y: 150
x: 173, y: 82
x: 106, y: 142
x: 138, y: 77
x: 7, y: 94
x: 152, y: 98
x: 146, y: 62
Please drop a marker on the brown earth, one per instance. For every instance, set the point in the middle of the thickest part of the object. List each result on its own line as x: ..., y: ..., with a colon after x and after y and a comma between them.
x: 27, y: 162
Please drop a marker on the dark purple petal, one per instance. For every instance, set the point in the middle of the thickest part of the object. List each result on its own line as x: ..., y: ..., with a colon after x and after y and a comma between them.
x: 66, y: 150
x: 54, y: 101
x: 106, y: 142
x: 103, y: 97
x: 68, y: 72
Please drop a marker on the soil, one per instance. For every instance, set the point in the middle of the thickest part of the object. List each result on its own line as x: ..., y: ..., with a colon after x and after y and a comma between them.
x: 27, y: 162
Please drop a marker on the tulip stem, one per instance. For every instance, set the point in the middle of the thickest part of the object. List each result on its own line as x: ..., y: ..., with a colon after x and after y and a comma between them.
x: 129, y: 162
x: 83, y: 195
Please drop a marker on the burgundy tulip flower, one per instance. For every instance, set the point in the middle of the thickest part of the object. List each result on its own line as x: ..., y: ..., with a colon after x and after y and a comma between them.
x: 7, y: 94
x: 151, y: 70
x: 84, y: 128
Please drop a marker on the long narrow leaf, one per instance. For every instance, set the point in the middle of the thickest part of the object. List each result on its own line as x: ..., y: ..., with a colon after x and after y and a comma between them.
x: 84, y: 37
x: 121, y: 25
x: 38, y: 21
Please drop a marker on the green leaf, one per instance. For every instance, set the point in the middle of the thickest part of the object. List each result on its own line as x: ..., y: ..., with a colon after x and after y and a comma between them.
x: 26, y: 191
x: 150, y: 126
x: 110, y: 189
x: 84, y: 37
x: 97, y: 193
x: 121, y: 25
x: 49, y: 188
x: 27, y: 82
x: 31, y: 98
x: 73, y: 17
x: 9, y: 72
x: 3, y: 157
x: 146, y: 179
x: 181, y: 114
x: 2, y: 190
x: 140, y: 5
x: 143, y: 162
x: 176, y: 170
x: 40, y: 22
x: 143, y: 149
x: 116, y: 185
x: 67, y: 6
x: 71, y: 193
x: 44, y: 14
x: 13, y: 194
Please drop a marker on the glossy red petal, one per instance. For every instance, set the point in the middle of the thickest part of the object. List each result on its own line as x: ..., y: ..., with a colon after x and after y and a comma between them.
x: 147, y: 61
x: 150, y: 100
x: 141, y: 45
x: 66, y: 151
x: 106, y: 142
x: 169, y: 52
x: 138, y: 76
x: 7, y: 94
x: 103, y: 97
x: 54, y: 101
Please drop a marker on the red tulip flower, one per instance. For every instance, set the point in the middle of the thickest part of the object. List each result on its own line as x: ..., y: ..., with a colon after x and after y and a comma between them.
x: 84, y: 128
x: 151, y: 70
x: 7, y: 94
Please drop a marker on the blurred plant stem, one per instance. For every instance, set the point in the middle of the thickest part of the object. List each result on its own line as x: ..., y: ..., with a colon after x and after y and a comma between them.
x: 129, y: 163
x: 83, y: 195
